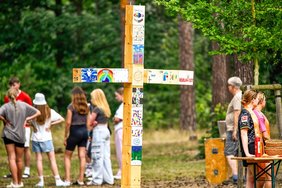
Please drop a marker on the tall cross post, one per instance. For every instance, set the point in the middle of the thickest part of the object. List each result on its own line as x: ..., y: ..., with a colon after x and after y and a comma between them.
x: 133, y: 76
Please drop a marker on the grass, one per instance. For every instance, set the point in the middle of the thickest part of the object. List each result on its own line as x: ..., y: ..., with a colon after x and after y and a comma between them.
x: 169, y: 160
x: 167, y: 156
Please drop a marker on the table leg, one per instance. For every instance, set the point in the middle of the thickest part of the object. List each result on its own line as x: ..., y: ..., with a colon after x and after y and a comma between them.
x: 272, y: 175
x: 255, y: 176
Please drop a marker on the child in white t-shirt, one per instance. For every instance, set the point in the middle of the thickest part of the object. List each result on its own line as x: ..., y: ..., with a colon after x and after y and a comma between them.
x: 118, y: 130
x: 42, y: 137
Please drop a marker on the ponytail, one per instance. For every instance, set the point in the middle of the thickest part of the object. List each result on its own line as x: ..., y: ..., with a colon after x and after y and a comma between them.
x: 12, y: 95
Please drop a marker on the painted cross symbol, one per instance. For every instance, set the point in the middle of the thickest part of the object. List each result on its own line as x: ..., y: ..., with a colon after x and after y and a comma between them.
x: 133, y: 76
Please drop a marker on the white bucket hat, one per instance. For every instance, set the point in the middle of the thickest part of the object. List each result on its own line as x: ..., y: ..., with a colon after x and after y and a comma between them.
x: 39, y: 99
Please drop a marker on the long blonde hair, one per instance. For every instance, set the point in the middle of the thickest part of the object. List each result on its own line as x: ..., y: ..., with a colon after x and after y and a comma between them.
x: 99, y: 100
x: 45, y: 113
x: 12, y: 95
x: 79, y: 101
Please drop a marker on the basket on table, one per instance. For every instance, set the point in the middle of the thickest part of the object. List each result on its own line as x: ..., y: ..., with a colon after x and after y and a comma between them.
x: 273, y: 147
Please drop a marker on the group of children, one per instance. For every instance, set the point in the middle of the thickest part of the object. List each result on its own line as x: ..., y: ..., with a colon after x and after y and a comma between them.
x: 86, y: 127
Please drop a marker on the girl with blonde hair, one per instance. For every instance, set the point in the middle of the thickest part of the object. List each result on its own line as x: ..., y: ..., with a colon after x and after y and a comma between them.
x: 265, y: 131
x: 76, y: 133
x: 42, y: 138
x: 15, y: 114
x: 100, y: 151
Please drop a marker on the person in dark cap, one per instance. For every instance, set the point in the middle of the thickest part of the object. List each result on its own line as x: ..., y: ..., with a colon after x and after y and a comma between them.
x: 232, y: 114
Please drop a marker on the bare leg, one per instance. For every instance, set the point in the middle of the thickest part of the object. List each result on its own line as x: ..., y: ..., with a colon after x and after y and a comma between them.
x: 82, y: 159
x: 233, y: 164
x: 39, y: 164
x: 68, y: 155
x: 19, y: 161
x: 11, y: 152
x: 27, y: 157
x: 52, y: 159
x: 250, y: 176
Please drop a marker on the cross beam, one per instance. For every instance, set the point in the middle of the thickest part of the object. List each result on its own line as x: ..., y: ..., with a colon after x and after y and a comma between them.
x: 133, y: 76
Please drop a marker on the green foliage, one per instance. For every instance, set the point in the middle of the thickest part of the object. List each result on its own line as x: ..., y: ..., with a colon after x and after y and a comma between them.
x: 233, y: 26
x: 218, y: 114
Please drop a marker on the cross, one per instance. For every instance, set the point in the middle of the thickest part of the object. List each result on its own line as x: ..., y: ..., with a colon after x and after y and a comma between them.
x: 133, y: 76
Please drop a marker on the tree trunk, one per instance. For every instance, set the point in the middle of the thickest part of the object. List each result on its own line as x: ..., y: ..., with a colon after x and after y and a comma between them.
x: 123, y: 4
x: 219, y: 78
x: 187, y: 94
x: 245, y: 71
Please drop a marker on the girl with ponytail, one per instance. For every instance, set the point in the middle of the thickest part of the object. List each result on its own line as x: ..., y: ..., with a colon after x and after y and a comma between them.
x: 15, y: 114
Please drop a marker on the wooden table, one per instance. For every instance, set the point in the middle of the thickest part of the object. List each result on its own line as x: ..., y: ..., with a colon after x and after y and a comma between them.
x: 272, y: 162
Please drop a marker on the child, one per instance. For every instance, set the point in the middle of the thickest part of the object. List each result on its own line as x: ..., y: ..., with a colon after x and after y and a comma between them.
x: 42, y: 137
x: 118, y: 130
x: 76, y: 134
x: 14, y: 114
x: 100, y: 151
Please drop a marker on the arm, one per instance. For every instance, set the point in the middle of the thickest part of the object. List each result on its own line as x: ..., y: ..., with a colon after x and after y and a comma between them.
x: 38, y: 113
x: 244, y: 138
x: 116, y: 120
x: 57, y: 122
x: 68, y: 123
x: 91, y: 121
x: 4, y: 120
x: 236, y: 116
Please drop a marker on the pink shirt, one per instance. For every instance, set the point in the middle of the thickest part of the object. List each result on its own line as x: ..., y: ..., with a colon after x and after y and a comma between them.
x: 261, y: 120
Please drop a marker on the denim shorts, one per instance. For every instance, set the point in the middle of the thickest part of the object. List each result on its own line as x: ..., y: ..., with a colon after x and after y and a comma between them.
x: 41, y: 147
x: 231, y: 146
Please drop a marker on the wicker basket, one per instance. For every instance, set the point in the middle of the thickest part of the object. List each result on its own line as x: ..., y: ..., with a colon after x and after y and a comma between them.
x: 273, y: 143
x: 273, y: 150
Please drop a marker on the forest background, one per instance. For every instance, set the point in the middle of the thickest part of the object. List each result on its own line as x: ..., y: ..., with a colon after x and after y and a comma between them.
x: 41, y: 41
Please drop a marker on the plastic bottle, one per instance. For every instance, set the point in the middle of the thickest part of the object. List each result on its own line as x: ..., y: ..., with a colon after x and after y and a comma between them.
x: 257, y: 147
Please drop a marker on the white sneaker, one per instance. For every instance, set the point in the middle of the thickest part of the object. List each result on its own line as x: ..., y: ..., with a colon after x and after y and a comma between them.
x: 117, y: 177
x: 67, y: 183
x: 92, y: 183
x: 21, y: 184
x: 11, y: 185
x: 60, y: 183
x: 40, y: 184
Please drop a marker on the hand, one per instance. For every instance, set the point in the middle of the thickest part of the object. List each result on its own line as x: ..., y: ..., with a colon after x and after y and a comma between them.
x: 47, y: 129
x: 34, y: 129
x: 94, y: 124
x: 6, y: 122
x: 234, y: 135
x: 65, y: 141
x: 250, y: 155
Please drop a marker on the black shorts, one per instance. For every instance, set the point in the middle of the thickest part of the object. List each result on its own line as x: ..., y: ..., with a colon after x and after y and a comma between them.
x: 78, y: 137
x: 8, y: 141
x: 251, y: 147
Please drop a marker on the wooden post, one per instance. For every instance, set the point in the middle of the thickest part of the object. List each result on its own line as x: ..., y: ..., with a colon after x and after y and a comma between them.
x: 131, y: 174
x: 133, y: 75
x: 277, y: 94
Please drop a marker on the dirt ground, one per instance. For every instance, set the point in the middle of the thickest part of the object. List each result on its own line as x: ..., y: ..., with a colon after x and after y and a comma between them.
x: 199, y: 182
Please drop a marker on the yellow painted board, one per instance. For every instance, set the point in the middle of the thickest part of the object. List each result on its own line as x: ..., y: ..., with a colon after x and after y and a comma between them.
x: 76, y: 75
x: 216, y: 163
